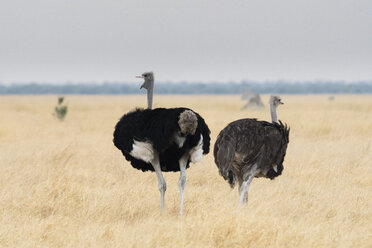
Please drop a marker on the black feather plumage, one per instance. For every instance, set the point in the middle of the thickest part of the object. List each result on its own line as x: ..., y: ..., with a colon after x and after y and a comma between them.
x: 246, y: 142
x: 157, y: 127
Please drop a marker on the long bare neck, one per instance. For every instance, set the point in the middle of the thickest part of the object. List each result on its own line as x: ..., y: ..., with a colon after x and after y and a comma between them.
x: 150, y: 93
x: 274, y: 113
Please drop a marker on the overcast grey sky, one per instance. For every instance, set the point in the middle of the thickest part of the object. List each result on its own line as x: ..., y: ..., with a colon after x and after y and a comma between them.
x: 194, y: 40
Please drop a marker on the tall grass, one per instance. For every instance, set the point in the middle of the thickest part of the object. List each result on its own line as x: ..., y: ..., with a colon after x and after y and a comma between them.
x: 66, y: 185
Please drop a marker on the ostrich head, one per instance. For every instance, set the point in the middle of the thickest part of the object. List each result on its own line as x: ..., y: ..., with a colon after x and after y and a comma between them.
x: 148, y: 84
x: 275, y: 101
x: 149, y: 80
x: 188, y: 122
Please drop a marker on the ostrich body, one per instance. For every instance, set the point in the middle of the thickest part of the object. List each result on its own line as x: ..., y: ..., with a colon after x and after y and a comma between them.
x: 249, y: 148
x: 162, y: 139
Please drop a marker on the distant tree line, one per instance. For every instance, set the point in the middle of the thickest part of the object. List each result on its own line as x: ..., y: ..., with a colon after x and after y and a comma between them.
x: 115, y: 88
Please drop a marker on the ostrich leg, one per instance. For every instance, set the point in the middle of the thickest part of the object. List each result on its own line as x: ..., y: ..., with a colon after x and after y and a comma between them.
x: 244, y: 186
x: 161, y: 182
x: 182, y: 180
x: 245, y: 197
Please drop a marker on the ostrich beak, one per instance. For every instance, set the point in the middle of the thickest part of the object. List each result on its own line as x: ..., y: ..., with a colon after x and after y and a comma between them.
x: 143, y: 85
x: 280, y: 102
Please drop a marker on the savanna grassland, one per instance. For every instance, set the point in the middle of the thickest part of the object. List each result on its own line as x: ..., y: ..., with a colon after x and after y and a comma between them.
x: 64, y: 184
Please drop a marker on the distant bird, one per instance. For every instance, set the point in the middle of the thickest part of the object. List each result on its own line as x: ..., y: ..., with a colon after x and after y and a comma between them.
x: 253, y: 100
x: 162, y: 139
x: 249, y: 148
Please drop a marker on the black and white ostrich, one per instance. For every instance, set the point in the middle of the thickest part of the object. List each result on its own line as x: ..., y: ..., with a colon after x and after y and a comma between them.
x: 162, y: 139
x: 249, y: 148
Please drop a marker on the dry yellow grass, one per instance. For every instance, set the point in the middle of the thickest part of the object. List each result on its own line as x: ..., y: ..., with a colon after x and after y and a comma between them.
x: 64, y: 184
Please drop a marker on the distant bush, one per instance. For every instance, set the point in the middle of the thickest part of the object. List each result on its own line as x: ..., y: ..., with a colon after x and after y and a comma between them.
x: 60, y: 110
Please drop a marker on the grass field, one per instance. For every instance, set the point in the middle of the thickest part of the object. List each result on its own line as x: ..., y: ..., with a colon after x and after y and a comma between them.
x: 64, y: 184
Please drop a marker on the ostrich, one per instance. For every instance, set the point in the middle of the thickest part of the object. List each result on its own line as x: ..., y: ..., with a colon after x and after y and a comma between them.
x: 162, y: 139
x: 253, y: 100
x: 249, y: 148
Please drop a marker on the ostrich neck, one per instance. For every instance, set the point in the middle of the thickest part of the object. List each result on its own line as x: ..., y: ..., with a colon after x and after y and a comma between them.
x: 150, y: 92
x: 274, y: 113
